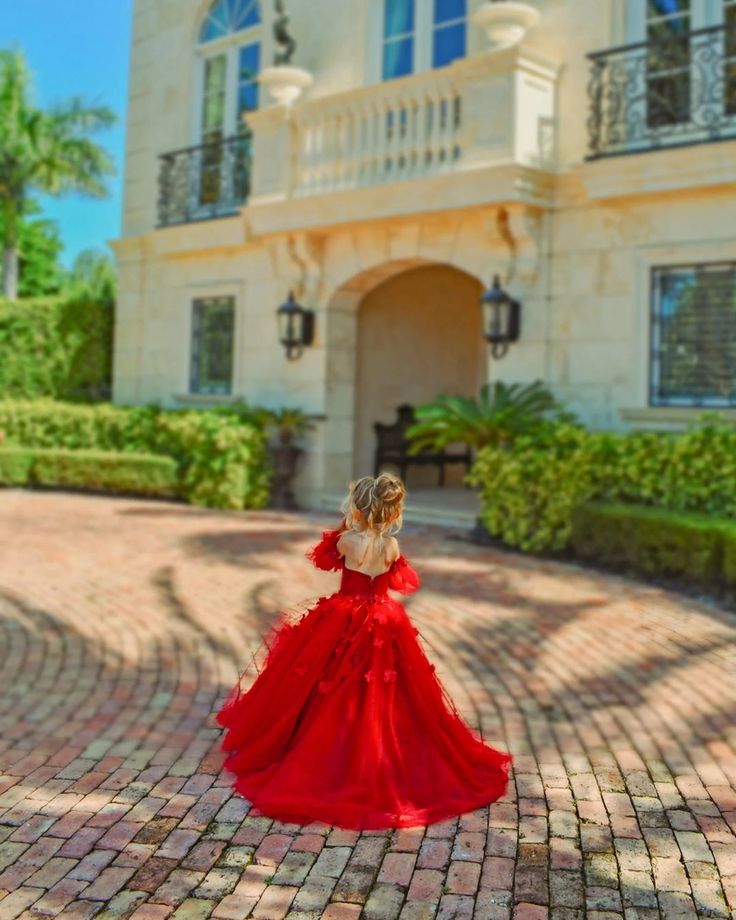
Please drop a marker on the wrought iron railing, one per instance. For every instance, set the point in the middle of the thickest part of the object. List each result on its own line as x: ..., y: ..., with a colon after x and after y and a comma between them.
x: 204, y: 181
x: 663, y: 93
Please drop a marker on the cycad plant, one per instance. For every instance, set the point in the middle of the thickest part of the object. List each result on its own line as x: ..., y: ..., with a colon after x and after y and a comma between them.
x: 43, y: 151
x: 501, y: 413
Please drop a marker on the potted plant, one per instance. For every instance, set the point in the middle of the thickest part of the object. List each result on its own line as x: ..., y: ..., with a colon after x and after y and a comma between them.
x: 287, y: 427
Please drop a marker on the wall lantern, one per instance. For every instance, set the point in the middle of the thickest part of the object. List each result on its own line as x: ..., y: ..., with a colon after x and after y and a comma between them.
x: 296, y: 327
x: 501, y: 318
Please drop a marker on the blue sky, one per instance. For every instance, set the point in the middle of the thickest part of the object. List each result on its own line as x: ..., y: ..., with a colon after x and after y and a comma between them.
x: 78, y: 47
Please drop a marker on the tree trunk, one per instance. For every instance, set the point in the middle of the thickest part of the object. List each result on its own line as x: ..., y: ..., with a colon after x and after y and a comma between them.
x: 11, y: 208
x: 10, y: 272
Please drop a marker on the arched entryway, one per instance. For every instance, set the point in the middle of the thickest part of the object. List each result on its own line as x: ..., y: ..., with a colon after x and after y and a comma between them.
x: 402, y: 332
x: 419, y: 335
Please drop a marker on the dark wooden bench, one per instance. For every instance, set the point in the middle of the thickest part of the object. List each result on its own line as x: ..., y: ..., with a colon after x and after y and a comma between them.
x: 392, y: 447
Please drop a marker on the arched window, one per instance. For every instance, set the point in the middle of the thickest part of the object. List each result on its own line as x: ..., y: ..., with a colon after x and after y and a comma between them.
x: 421, y: 34
x: 229, y: 47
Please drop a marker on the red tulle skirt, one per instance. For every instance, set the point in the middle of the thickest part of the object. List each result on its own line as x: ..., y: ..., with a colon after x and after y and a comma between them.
x: 347, y: 723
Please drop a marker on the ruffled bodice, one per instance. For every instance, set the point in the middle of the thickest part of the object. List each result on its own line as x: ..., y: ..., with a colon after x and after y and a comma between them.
x: 399, y: 577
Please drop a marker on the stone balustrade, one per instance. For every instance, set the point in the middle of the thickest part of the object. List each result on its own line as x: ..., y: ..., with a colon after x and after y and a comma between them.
x: 488, y: 110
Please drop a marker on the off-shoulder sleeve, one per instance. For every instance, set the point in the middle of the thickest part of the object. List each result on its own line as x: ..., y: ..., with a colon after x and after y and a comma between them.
x: 325, y: 554
x: 402, y: 577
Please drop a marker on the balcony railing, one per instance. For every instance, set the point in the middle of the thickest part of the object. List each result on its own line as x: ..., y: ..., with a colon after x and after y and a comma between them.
x: 486, y: 111
x: 204, y: 181
x: 663, y: 93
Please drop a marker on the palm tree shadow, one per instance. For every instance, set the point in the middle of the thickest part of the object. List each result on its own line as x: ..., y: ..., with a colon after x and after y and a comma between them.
x: 234, y: 547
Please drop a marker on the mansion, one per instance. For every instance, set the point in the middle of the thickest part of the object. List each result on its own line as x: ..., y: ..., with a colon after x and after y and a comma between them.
x: 383, y: 161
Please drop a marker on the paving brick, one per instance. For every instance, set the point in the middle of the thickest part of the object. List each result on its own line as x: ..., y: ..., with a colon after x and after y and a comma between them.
x: 623, y: 802
x: 152, y: 874
x: 331, y: 861
x: 107, y: 884
x: 384, y: 903
x: 14, y: 903
x: 177, y: 886
x: 275, y: 901
x: 397, y: 868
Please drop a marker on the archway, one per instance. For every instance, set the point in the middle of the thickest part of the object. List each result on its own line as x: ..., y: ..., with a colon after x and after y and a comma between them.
x: 419, y: 335
x: 402, y: 331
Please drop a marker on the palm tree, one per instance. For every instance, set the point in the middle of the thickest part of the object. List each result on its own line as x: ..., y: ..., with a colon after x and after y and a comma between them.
x: 93, y: 275
x: 43, y: 151
x: 501, y: 413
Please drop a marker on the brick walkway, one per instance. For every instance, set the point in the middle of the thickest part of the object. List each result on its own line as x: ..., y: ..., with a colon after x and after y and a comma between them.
x: 123, y: 624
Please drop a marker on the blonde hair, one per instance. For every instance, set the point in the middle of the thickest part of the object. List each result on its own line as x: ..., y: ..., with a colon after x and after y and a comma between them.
x: 375, y: 503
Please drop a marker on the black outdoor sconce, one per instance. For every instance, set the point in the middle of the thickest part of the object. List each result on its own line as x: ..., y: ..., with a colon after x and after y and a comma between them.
x: 296, y: 327
x: 501, y: 318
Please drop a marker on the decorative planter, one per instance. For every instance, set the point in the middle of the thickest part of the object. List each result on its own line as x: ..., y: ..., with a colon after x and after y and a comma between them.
x: 505, y: 22
x: 285, y: 464
x: 285, y: 83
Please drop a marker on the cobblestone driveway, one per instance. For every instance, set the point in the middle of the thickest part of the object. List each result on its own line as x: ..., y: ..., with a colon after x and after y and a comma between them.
x: 123, y: 624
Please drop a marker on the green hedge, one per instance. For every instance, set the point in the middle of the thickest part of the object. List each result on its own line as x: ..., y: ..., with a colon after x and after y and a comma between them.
x: 530, y: 490
x: 653, y: 541
x: 142, y: 474
x: 55, y: 347
x: 15, y: 465
x: 220, y: 454
x: 139, y: 474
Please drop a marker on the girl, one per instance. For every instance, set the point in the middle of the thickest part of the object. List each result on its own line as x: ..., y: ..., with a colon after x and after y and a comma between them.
x: 347, y: 722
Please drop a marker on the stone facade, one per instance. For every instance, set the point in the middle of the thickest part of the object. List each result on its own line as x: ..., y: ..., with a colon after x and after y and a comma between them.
x: 485, y: 170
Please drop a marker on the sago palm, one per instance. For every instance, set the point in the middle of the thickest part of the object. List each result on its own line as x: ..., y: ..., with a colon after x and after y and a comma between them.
x: 46, y: 151
x: 501, y: 412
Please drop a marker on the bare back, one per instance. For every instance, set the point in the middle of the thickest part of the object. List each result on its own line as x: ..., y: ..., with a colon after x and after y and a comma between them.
x: 365, y: 551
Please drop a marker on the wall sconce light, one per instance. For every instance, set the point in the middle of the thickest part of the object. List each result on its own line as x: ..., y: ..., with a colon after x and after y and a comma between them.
x: 296, y: 327
x: 501, y: 318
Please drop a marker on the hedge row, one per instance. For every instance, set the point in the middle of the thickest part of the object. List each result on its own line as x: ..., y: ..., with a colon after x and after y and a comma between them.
x: 55, y: 347
x: 220, y: 454
x: 530, y: 490
x: 136, y: 474
x: 651, y: 541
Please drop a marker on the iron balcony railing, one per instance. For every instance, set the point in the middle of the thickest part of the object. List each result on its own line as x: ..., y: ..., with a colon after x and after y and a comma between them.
x: 204, y: 181
x: 663, y: 93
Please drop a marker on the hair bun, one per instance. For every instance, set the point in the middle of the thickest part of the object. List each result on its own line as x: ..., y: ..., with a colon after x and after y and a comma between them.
x: 390, y: 487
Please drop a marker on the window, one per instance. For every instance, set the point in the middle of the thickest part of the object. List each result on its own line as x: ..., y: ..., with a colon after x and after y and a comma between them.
x: 448, y: 33
x: 420, y: 34
x: 729, y: 21
x: 668, y: 26
x: 230, y: 48
x: 694, y: 335
x: 213, y: 340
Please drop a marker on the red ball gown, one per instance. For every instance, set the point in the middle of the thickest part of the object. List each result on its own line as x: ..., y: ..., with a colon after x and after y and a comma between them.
x: 347, y: 722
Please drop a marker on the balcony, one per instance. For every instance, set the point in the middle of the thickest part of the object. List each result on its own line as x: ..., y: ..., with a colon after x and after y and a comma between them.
x: 204, y: 181
x: 663, y: 94
x: 480, y: 129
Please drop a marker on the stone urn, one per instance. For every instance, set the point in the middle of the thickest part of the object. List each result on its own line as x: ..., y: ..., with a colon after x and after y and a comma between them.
x: 285, y: 457
x: 505, y: 22
x: 288, y: 427
x: 284, y: 82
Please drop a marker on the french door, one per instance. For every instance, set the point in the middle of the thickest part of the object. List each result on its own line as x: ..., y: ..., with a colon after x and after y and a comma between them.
x: 229, y: 88
x: 683, y: 79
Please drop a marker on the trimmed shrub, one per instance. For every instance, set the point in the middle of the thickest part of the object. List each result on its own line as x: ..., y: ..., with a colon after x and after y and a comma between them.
x: 15, y: 465
x: 728, y: 530
x: 650, y: 541
x: 530, y: 489
x: 57, y: 347
x: 136, y: 474
x: 221, y: 454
